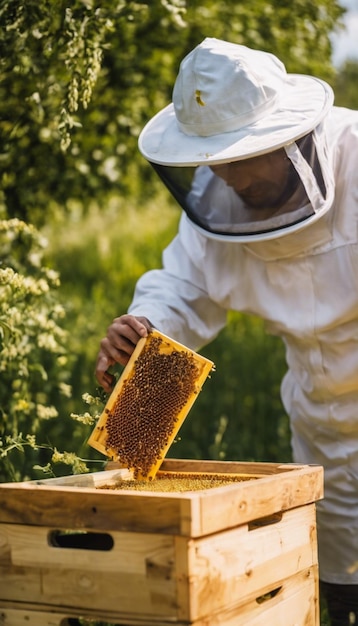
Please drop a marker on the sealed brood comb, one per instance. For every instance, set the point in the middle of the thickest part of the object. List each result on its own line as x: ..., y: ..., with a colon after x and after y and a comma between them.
x: 149, y: 404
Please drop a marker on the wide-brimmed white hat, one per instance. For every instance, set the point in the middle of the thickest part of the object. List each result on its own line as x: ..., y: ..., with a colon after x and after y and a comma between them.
x: 230, y: 103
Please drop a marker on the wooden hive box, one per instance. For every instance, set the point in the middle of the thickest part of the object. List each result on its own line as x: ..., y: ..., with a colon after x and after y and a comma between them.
x: 244, y: 554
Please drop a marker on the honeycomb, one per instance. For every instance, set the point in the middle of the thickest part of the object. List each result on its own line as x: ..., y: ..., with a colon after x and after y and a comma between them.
x: 149, y: 404
x: 177, y: 482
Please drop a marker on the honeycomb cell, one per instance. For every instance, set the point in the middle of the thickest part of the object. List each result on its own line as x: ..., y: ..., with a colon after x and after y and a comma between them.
x: 150, y: 404
x: 144, y: 415
x: 169, y: 482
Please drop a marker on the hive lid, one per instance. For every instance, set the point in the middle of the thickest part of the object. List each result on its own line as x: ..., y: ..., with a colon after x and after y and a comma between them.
x: 149, y: 403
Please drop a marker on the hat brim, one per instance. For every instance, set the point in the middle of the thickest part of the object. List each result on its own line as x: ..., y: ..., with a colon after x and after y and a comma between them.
x: 305, y: 102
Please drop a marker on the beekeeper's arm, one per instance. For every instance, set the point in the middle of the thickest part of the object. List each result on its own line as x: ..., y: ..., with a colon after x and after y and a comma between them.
x: 173, y: 299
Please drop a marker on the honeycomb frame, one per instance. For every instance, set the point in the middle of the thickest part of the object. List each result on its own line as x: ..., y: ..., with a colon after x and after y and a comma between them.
x: 149, y: 403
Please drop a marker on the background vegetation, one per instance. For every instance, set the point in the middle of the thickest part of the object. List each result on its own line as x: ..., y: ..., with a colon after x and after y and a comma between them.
x: 82, y: 216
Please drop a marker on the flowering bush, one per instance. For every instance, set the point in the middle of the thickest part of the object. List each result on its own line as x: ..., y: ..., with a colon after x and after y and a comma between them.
x: 34, y: 365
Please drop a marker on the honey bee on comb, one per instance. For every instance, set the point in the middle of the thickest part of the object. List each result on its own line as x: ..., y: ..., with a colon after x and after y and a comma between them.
x: 149, y: 404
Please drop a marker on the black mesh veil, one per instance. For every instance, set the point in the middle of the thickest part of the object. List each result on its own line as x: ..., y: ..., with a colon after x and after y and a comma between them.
x: 216, y: 207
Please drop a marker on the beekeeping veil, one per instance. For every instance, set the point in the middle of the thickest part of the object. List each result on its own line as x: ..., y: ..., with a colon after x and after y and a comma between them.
x: 232, y: 104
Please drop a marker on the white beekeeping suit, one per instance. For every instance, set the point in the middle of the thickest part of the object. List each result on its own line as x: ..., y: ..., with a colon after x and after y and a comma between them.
x: 295, y: 265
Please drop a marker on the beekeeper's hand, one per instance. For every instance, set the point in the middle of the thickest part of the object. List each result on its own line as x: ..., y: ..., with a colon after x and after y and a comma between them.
x: 117, y: 346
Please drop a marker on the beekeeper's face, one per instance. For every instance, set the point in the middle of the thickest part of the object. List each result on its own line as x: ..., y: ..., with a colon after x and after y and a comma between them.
x: 261, y: 181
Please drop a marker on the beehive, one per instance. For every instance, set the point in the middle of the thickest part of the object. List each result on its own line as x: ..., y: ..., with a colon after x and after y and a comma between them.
x: 149, y: 403
x: 243, y: 554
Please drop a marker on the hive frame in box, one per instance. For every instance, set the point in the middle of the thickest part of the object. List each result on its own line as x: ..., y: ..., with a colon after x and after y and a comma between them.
x: 244, y: 554
x: 187, y: 366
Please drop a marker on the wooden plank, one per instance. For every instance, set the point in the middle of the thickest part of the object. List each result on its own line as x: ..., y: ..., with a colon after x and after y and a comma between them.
x: 295, y: 603
x: 94, y: 509
x: 227, y: 568
x: 189, y: 514
x: 183, y: 550
x: 90, y: 480
x: 19, y: 617
x: 249, y: 500
x: 231, y: 467
x: 135, y: 576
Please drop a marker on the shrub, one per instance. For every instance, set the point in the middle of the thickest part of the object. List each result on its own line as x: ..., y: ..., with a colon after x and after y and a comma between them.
x: 34, y: 362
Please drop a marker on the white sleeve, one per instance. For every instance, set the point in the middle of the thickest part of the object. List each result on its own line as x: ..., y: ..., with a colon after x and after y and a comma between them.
x: 175, y: 298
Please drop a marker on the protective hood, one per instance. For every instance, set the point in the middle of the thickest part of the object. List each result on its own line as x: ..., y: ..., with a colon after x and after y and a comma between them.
x: 214, y: 206
x: 233, y: 104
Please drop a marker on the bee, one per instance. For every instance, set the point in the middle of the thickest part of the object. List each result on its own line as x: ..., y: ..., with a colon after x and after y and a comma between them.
x: 198, y: 98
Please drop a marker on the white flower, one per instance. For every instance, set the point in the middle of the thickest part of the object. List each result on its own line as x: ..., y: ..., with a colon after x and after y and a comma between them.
x: 46, y: 412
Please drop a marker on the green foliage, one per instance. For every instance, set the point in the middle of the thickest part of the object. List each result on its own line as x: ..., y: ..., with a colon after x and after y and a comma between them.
x: 78, y: 83
x: 346, y: 85
x: 51, y: 57
x: 298, y: 32
x: 100, y: 257
x: 34, y: 366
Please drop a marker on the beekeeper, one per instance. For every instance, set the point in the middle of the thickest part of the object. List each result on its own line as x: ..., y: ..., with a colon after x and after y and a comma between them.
x: 266, y: 172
